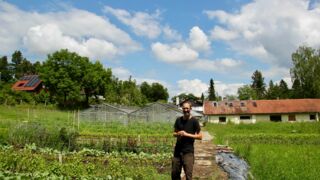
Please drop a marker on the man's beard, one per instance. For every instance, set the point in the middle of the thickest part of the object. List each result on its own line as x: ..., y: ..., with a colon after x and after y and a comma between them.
x: 186, y: 114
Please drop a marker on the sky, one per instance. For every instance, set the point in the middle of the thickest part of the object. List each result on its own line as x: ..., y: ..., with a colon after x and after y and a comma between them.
x: 180, y: 44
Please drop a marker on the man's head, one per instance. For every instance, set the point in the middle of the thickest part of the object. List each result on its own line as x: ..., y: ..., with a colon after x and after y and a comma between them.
x: 186, y: 108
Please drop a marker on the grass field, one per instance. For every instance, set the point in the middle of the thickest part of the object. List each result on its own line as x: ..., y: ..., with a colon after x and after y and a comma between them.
x: 274, y: 150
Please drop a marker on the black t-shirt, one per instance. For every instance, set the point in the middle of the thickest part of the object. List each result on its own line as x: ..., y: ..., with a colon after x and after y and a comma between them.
x: 185, y: 144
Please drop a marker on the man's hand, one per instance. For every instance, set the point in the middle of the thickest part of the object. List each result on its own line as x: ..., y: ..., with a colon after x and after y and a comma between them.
x: 182, y: 133
x: 185, y: 134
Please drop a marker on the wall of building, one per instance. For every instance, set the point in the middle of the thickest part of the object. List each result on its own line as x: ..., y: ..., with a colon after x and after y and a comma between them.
x: 261, y: 118
x: 231, y: 118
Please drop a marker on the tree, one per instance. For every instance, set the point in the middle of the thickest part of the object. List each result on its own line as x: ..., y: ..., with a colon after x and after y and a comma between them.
x: 130, y: 94
x: 246, y: 92
x: 296, y: 90
x: 211, y: 91
x: 284, y: 92
x: 112, y: 90
x: 5, y: 73
x: 306, y: 72
x: 21, y: 65
x: 159, y: 92
x: 154, y: 92
x: 146, y: 90
x: 63, y: 74
x: 202, y: 97
x: 231, y: 97
x: 95, y: 80
x: 273, y: 91
x: 184, y: 96
x: 258, y: 84
x: 16, y: 58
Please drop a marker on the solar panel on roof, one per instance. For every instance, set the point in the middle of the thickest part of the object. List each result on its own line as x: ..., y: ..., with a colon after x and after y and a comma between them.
x: 33, y: 81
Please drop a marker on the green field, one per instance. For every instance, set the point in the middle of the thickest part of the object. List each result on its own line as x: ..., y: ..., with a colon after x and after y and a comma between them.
x: 28, y: 124
x: 274, y: 150
x: 38, y: 135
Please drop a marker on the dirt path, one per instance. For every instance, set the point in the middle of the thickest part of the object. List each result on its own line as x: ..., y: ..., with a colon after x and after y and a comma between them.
x: 205, y: 166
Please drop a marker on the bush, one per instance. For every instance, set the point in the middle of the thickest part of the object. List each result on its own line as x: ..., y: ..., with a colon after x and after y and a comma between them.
x: 29, y: 132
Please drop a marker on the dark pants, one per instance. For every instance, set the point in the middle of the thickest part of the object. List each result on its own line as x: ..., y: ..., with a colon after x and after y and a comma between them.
x: 183, y: 160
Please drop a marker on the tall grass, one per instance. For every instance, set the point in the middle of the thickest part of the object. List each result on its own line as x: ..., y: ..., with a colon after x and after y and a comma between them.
x: 274, y: 150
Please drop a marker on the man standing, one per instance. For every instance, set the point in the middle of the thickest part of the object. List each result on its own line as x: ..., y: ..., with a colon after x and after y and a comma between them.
x: 186, y: 129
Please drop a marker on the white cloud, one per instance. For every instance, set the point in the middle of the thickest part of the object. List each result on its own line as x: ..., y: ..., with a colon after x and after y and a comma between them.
x: 275, y: 72
x: 124, y: 74
x: 222, y: 65
x: 75, y: 29
x: 221, y: 15
x: 143, y: 24
x: 269, y: 30
x: 171, y: 34
x: 121, y: 73
x: 195, y: 86
x: 223, y: 34
x: 198, y: 39
x: 278, y: 73
x: 181, y: 54
x: 175, y: 53
x: 150, y: 81
x: 224, y: 89
x: 52, y: 39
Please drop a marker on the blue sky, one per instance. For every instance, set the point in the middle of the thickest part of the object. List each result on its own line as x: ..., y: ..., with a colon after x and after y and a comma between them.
x: 181, y: 44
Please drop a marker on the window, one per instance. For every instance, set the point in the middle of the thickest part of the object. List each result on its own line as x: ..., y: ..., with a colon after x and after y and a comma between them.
x: 222, y: 119
x: 215, y: 104
x: 312, y: 117
x: 254, y: 104
x: 245, y: 117
x: 242, y: 104
x: 21, y: 84
x: 230, y: 104
x: 292, y: 117
x: 275, y: 118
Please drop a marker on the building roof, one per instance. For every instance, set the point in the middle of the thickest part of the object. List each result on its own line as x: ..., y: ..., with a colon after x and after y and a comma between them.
x: 27, y: 83
x: 261, y: 106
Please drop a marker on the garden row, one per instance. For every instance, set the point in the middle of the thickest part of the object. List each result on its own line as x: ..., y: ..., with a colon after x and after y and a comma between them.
x: 38, y: 163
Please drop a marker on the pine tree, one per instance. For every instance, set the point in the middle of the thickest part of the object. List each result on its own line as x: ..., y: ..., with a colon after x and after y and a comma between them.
x: 258, y: 84
x: 211, y: 91
x: 202, y: 97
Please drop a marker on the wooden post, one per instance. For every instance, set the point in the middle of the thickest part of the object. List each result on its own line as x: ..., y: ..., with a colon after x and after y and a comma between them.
x: 74, y: 116
x: 78, y: 120
x: 60, y: 158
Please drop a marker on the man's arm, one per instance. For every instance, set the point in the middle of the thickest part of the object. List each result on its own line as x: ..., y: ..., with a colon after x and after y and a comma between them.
x: 194, y: 136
